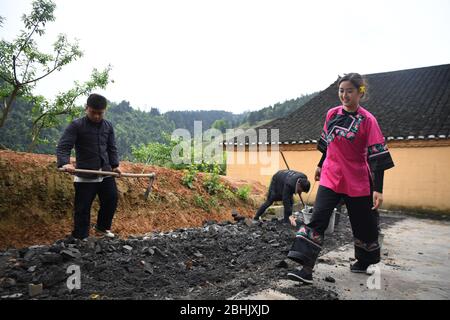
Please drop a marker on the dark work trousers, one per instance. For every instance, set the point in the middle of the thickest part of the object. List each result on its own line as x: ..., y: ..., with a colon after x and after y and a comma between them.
x: 364, y: 222
x: 85, y: 193
x: 271, y: 198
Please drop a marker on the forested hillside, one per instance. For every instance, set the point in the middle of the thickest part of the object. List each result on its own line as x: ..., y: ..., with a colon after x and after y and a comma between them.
x: 134, y: 127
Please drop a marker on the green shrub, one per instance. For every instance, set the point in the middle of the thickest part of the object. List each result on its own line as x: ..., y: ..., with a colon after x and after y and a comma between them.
x: 227, y: 194
x: 201, y: 203
x: 213, y: 203
x: 244, y: 192
x: 212, y: 182
x: 157, y: 153
x: 189, y: 177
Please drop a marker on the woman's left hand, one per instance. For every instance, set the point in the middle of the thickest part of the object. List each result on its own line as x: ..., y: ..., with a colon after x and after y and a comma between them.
x: 377, y: 200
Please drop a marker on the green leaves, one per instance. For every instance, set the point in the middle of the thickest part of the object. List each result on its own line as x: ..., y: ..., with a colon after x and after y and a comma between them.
x: 41, y: 13
x: 221, y: 125
x: 6, y: 61
x: 244, y: 192
x: 22, y: 64
x: 5, y: 89
x: 189, y: 177
x: 212, y: 182
x: 155, y: 153
x: 47, y: 114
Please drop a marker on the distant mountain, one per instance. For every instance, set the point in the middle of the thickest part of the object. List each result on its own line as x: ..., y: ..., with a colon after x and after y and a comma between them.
x: 278, y: 110
x: 249, y: 119
x: 185, y: 119
x: 134, y: 127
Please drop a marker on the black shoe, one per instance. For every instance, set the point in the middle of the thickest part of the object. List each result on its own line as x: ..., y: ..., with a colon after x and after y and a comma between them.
x: 359, y: 267
x: 74, y: 240
x: 301, y: 275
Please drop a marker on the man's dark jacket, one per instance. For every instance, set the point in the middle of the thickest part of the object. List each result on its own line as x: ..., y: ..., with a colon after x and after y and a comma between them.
x: 95, y: 146
x: 282, y: 187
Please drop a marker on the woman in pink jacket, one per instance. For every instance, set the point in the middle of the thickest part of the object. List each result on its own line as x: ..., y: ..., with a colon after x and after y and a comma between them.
x: 354, y: 157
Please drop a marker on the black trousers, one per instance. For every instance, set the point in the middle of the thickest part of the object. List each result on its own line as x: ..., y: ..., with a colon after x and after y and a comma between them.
x: 85, y: 193
x: 364, y: 222
x: 271, y: 198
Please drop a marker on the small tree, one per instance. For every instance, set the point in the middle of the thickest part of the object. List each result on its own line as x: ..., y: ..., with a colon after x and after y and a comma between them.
x: 22, y: 64
x: 158, y: 154
x: 155, y: 112
x: 221, y: 125
x: 47, y: 114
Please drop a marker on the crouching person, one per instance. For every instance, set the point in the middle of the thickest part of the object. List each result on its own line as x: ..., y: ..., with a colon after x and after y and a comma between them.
x: 284, y: 184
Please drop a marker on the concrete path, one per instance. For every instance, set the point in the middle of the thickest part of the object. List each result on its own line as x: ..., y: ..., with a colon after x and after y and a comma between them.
x: 415, y: 265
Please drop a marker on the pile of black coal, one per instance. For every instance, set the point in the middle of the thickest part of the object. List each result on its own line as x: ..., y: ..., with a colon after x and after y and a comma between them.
x: 215, y: 261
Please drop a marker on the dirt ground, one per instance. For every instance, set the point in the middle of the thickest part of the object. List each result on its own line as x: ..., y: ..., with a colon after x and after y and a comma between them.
x: 171, y: 248
x: 36, y: 201
x: 216, y: 261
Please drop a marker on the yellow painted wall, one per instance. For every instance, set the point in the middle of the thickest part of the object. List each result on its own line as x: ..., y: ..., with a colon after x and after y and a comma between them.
x: 262, y: 171
x: 419, y: 180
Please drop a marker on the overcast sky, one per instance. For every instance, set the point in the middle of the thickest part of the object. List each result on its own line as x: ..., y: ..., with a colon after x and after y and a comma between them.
x: 237, y: 55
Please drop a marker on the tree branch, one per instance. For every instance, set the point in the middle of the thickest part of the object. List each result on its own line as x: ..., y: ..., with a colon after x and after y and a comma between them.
x: 28, y: 39
x: 8, y: 104
x: 14, y: 70
x: 26, y: 70
x: 57, y: 57
x: 35, y: 132
x: 43, y: 76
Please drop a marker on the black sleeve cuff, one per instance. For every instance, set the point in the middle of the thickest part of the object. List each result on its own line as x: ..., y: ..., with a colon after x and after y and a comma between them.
x: 378, y: 180
x: 324, y: 155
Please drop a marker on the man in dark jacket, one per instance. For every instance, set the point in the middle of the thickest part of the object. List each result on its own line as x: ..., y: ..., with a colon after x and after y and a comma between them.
x: 282, y: 188
x: 95, y: 149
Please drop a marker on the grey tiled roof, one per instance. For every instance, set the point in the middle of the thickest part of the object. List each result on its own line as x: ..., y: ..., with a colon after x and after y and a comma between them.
x: 411, y: 104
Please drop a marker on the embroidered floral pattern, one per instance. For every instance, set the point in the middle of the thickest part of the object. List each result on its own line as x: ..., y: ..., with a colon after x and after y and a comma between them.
x: 367, y: 246
x: 310, y: 234
x: 377, y: 149
x: 347, y: 133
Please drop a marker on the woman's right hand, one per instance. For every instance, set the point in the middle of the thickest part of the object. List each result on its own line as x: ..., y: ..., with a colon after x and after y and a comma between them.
x: 293, y: 221
x: 317, y: 174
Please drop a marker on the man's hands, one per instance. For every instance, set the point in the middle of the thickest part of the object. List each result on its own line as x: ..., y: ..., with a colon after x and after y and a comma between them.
x: 118, y: 170
x: 377, y: 200
x: 69, y: 168
x: 317, y: 174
